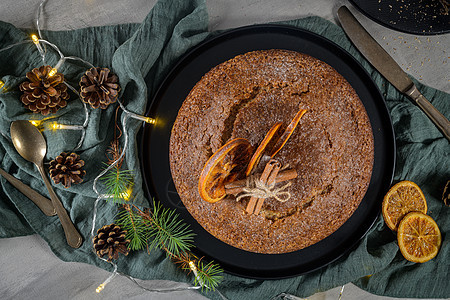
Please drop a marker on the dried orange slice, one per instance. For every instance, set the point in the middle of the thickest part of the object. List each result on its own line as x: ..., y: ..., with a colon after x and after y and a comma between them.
x: 224, y: 166
x: 402, y: 198
x: 262, y: 148
x: 287, y: 133
x: 418, y: 237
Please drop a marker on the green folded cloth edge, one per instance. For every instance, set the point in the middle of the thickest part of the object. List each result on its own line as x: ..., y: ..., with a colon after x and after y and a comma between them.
x: 142, y: 55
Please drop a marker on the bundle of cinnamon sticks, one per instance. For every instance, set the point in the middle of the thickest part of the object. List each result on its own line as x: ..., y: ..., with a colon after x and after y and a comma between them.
x: 270, y: 176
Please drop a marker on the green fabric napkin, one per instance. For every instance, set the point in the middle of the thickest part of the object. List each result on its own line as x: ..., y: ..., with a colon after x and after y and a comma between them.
x: 141, y: 55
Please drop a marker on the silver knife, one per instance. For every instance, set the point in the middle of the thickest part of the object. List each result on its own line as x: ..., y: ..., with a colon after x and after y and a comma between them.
x: 387, y: 66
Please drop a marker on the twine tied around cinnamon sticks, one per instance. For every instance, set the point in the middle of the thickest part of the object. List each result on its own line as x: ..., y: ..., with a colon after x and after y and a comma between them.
x: 259, y: 189
x: 255, y: 187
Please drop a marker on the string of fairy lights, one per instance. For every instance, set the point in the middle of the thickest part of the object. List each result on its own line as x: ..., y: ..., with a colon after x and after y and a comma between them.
x: 49, y: 123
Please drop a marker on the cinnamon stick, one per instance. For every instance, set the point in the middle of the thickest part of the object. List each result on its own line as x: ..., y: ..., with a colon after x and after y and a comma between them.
x: 236, y: 187
x: 264, y: 176
x: 270, y: 180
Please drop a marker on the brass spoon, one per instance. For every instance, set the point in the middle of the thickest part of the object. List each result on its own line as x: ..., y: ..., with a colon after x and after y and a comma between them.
x: 31, y: 145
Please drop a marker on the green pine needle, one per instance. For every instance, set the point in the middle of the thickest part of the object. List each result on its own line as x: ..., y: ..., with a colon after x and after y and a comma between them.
x: 169, y: 232
x: 136, y: 228
x: 208, y: 275
x: 117, y: 182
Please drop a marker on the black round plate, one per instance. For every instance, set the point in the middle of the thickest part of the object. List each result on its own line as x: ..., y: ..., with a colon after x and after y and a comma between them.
x: 154, y: 150
x: 422, y: 17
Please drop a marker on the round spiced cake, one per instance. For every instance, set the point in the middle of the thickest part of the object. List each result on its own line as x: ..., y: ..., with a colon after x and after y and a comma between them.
x: 331, y: 148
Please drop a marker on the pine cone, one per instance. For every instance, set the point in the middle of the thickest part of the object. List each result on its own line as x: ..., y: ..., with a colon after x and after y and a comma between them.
x: 44, y: 94
x: 110, y: 239
x: 99, y: 87
x: 67, y: 169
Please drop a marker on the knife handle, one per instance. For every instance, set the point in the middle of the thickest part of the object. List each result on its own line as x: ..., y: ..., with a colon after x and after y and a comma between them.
x: 438, y: 119
x: 43, y: 203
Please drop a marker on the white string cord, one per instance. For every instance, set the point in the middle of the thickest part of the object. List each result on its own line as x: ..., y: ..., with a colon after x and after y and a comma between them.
x: 114, y: 273
x: 125, y: 137
x: 86, y: 117
x: 169, y: 290
x: 111, y: 277
x: 126, y: 116
x: 341, y: 292
x: 83, y: 131
x: 100, y: 197
x: 53, y: 46
x: 38, y: 17
x: 38, y: 27
x: 15, y: 44
x: 80, y: 59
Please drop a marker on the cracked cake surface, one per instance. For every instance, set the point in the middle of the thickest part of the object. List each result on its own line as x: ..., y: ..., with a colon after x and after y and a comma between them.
x: 331, y: 148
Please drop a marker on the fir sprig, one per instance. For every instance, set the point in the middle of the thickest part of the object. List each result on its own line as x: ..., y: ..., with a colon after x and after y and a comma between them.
x: 117, y: 183
x: 136, y: 228
x: 168, y: 231
x: 157, y: 228
x: 161, y: 228
x: 208, y: 275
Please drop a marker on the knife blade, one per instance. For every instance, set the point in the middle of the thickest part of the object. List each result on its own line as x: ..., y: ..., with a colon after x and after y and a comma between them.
x: 387, y: 66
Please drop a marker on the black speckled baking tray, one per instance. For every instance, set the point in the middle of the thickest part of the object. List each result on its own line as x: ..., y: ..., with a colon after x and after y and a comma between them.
x: 423, y: 17
x: 154, y: 148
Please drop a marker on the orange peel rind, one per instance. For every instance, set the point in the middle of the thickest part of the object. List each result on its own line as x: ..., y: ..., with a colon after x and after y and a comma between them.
x: 282, y: 140
x: 262, y: 148
x: 224, y: 166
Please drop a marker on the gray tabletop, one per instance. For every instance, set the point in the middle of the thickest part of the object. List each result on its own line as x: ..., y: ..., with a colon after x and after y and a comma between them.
x: 29, y: 268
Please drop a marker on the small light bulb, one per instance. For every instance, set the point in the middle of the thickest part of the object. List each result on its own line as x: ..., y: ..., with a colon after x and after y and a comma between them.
x: 35, y: 39
x: 127, y: 194
x: 100, y: 288
x: 143, y: 118
x: 38, y: 45
x: 150, y: 120
x: 193, y: 267
x: 36, y: 123
x: 52, y: 72
x: 55, y: 126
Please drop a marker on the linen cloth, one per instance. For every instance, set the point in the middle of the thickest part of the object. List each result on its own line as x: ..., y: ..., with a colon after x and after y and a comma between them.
x: 142, y: 55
